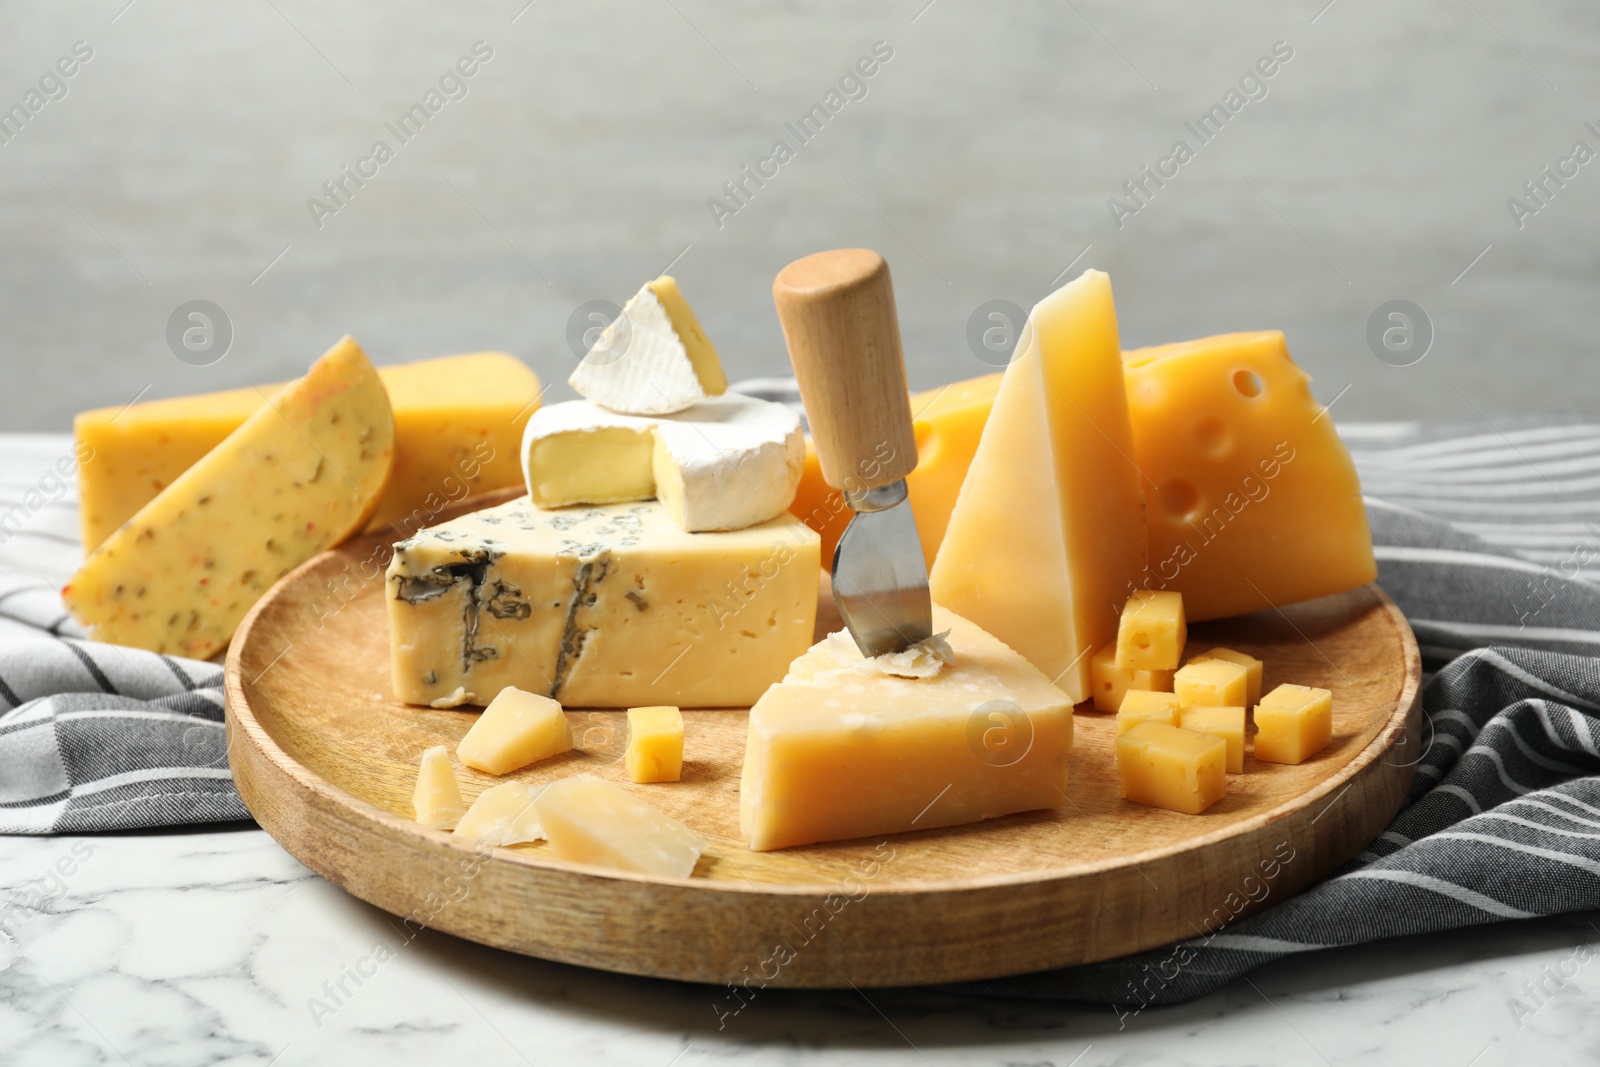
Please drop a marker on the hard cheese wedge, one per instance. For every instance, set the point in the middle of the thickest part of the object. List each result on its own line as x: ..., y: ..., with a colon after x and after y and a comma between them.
x: 721, y: 464
x: 437, y: 797
x: 610, y: 606
x: 840, y: 749
x: 301, y: 474
x: 947, y: 422
x: 516, y: 729
x: 588, y: 820
x: 1254, y: 500
x: 1048, y: 532
x: 503, y: 814
x: 457, y: 424
x: 654, y: 359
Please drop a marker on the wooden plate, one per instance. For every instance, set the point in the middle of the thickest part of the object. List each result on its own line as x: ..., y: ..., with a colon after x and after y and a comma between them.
x: 325, y: 759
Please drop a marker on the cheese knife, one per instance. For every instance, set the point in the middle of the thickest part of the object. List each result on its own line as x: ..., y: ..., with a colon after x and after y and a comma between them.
x: 838, y: 317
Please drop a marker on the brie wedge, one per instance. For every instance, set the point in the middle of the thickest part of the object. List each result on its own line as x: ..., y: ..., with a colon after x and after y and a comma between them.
x: 723, y: 464
x: 653, y: 359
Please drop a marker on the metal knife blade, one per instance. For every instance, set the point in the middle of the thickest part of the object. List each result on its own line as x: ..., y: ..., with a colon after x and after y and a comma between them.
x: 880, y: 580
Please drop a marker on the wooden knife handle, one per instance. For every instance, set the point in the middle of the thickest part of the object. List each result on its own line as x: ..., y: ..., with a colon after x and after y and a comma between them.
x: 838, y: 317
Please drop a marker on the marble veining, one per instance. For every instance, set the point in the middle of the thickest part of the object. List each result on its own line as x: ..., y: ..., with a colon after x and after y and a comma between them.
x: 218, y: 947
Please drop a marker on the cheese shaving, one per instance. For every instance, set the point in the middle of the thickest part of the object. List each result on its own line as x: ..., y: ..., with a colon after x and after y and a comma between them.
x: 925, y: 659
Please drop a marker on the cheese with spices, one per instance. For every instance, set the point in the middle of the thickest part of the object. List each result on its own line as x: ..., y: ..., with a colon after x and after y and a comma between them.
x: 299, y: 476
x: 457, y: 424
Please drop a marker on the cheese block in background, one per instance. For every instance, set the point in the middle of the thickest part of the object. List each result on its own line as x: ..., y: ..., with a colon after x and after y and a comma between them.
x: 606, y: 606
x: 1253, y: 498
x: 841, y: 748
x: 1048, y: 532
x: 721, y: 464
x: 299, y: 476
x: 458, y: 421
x: 947, y: 422
x: 653, y: 359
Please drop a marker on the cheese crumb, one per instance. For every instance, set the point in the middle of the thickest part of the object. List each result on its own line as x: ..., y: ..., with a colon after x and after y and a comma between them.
x: 925, y: 659
x: 455, y: 699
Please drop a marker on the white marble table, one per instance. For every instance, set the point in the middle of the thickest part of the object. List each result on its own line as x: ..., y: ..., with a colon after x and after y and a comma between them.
x: 217, y: 947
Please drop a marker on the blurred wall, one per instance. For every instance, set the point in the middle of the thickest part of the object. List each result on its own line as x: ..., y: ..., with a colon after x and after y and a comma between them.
x: 981, y: 156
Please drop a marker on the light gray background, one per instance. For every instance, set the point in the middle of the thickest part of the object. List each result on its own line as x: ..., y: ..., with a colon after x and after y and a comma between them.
x: 980, y: 163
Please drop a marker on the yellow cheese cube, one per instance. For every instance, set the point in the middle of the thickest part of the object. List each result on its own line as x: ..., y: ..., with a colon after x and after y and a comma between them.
x: 1248, y: 662
x: 1111, y: 681
x: 1213, y: 683
x: 299, y: 476
x: 1173, y: 768
x: 1293, y: 723
x: 591, y: 821
x: 1140, y: 705
x: 1226, y: 723
x: 1152, y: 631
x: 503, y: 814
x: 655, y: 745
x: 457, y: 423
x: 437, y: 798
x: 516, y: 729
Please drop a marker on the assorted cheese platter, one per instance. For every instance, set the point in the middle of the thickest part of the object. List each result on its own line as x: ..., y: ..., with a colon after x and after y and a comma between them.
x: 1036, y: 669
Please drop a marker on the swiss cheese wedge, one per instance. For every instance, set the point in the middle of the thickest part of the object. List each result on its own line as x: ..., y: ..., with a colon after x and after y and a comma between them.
x: 1049, y: 530
x: 300, y: 475
x: 1254, y: 500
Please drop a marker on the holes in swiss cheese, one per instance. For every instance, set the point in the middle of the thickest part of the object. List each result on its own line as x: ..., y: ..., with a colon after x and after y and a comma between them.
x: 1180, y: 499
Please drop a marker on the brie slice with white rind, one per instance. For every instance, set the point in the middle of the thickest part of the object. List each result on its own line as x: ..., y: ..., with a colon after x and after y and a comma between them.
x: 723, y: 464
x: 653, y: 359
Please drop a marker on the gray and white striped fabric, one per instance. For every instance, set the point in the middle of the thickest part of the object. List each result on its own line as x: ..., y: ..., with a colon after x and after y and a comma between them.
x: 92, y: 736
x: 1486, y: 535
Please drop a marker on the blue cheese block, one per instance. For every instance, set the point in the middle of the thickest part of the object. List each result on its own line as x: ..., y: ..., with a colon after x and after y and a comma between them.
x: 610, y: 606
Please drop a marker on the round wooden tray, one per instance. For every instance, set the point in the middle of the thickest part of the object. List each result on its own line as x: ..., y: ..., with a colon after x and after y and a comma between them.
x: 325, y: 759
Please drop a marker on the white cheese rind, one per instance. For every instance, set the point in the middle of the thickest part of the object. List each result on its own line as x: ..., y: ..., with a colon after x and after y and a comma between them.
x: 724, y: 463
x: 639, y: 364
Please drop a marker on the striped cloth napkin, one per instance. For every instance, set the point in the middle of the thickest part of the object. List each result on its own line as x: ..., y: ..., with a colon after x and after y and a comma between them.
x: 1485, y: 536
